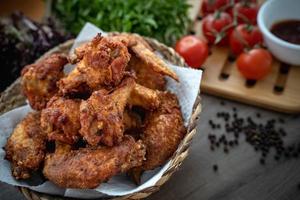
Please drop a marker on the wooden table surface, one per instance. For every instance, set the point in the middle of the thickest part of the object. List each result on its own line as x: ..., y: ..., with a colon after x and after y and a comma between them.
x: 239, y: 177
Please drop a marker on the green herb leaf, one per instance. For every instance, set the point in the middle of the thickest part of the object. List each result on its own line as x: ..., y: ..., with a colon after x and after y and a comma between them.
x: 165, y: 20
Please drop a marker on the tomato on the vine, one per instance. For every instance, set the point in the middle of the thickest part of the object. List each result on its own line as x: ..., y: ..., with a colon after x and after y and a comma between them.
x: 216, y: 27
x: 244, y: 37
x: 246, y: 12
x: 210, y: 6
x: 193, y: 50
x: 255, y: 64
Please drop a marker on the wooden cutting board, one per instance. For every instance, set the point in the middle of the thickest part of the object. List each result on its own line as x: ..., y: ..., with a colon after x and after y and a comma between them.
x: 279, y: 91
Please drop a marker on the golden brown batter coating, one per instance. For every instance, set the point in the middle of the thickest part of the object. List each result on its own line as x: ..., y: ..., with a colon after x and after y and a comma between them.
x: 102, y: 65
x: 163, y: 131
x: 101, y: 116
x: 144, y: 97
x: 39, y: 79
x: 60, y: 119
x: 152, y: 60
x: 145, y: 75
x: 26, y: 146
x: 142, y: 50
x: 89, y: 167
x: 130, y: 39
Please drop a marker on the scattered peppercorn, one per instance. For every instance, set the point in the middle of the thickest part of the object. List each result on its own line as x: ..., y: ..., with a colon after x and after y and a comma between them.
x: 262, y: 136
x: 215, y: 168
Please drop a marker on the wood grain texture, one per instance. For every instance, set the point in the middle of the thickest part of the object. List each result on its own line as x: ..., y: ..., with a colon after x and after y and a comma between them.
x: 240, y: 176
x: 262, y: 94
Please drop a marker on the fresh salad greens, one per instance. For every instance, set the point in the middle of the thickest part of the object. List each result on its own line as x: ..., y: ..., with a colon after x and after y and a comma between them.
x: 165, y: 20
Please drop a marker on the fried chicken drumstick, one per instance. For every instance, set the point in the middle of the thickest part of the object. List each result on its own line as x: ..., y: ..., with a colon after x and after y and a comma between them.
x: 39, y: 79
x: 26, y: 146
x: 88, y: 167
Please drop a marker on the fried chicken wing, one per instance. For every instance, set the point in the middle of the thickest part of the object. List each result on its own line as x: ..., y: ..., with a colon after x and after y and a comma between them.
x: 102, y: 65
x: 39, y: 79
x: 144, y: 97
x: 145, y: 75
x: 130, y: 39
x: 152, y: 60
x: 26, y: 146
x: 89, y: 167
x: 143, y: 50
x: 163, y: 131
x: 101, y: 116
x: 60, y: 119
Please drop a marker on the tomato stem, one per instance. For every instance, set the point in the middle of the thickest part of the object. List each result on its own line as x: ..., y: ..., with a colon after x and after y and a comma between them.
x: 217, y: 14
x: 248, y: 28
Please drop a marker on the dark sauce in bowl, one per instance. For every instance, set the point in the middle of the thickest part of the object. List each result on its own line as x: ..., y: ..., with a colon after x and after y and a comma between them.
x: 288, y: 30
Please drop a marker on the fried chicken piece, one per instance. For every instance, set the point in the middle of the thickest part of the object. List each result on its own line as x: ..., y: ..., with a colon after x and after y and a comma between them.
x: 144, y: 97
x: 145, y: 75
x: 142, y: 50
x: 39, y: 79
x: 152, y: 60
x: 101, y: 116
x: 26, y: 146
x: 60, y: 119
x: 163, y: 131
x: 130, y: 39
x: 89, y: 167
x: 102, y: 65
x: 79, y: 52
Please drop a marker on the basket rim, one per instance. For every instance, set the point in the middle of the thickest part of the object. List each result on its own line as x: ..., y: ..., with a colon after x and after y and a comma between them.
x: 178, y: 156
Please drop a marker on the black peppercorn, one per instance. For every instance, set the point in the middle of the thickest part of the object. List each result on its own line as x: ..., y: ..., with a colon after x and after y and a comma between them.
x: 215, y: 168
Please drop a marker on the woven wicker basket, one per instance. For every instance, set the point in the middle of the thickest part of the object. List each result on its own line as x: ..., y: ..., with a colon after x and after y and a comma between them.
x: 12, y: 98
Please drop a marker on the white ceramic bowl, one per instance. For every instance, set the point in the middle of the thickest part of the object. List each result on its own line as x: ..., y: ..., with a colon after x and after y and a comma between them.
x: 273, y: 11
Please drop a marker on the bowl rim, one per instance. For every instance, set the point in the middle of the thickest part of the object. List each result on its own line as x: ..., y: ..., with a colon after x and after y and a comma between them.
x: 268, y: 33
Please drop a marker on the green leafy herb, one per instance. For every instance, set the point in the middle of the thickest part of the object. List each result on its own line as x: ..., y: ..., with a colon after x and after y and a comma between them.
x: 165, y: 20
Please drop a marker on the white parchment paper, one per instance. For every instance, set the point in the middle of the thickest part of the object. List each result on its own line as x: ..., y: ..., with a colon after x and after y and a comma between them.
x: 186, y: 91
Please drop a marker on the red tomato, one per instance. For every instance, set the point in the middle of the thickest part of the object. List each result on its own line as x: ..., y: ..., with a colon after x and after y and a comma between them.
x: 255, y: 64
x: 210, y: 6
x: 216, y: 27
x: 244, y: 37
x: 246, y: 12
x: 193, y: 50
